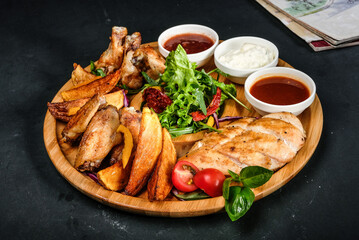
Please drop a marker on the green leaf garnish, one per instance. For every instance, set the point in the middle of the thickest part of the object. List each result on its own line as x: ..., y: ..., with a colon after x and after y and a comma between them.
x: 255, y: 176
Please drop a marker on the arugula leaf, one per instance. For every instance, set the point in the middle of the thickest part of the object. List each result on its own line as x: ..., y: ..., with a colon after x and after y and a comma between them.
x: 196, y: 195
x: 149, y: 80
x: 200, y: 99
x: 97, y: 72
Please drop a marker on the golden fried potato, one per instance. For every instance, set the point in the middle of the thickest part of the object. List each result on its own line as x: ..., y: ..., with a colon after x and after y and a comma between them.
x: 64, y: 111
x: 115, y: 177
x: 160, y: 184
x: 185, y: 142
x: 115, y: 99
x: 80, y: 76
x: 101, y: 86
x: 147, y: 152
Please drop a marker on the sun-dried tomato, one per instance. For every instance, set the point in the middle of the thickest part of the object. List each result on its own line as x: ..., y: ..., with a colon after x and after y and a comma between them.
x: 156, y: 99
x: 212, y: 108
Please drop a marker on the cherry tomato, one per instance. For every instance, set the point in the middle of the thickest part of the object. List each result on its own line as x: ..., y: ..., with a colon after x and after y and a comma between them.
x: 210, y: 180
x: 182, y: 176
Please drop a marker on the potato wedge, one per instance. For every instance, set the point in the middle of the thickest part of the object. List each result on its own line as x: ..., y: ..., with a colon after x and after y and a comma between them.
x: 115, y: 99
x: 101, y: 86
x: 115, y: 177
x: 160, y: 184
x: 185, y: 142
x: 147, y: 152
x: 78, y: 124
x: 80, y: 76
x: 64, y: 111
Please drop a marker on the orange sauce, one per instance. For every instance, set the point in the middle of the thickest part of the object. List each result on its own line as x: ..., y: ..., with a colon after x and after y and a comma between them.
x: 279, y: 90
x: 191, y: 42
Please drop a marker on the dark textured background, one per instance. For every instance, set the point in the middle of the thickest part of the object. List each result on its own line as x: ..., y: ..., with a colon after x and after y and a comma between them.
x: 39, y: 41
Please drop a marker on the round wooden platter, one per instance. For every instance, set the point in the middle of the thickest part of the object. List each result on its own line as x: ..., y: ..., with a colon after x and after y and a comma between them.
x: 63, y: 157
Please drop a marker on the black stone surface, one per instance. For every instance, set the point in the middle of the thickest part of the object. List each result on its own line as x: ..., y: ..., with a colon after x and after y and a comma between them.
x: 39, y: 41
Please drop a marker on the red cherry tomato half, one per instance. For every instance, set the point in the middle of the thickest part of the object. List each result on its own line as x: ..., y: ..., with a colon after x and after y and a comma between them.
x: 182, y: 176
x: 210, y: 180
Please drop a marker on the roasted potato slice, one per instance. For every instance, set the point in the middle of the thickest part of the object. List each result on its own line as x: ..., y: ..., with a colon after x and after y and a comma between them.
x: 160, y: 184
x: 64, y: 111
x: 101, y: 86
x: 185, y: 142
x: 147, y: 152
x: 80, y: 76
x: 115, y: 177
x: 78, y: 124
x: 99, y: 138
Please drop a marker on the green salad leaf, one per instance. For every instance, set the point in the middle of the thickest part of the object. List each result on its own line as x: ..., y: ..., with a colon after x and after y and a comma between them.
x: 190, y: 90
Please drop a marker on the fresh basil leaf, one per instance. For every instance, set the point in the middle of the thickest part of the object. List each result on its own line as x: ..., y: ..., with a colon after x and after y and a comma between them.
x: 200, y: 99
x: 196, y: 195
x: 149, y: 80
x: 234, y: 176
x: 225, y: 188
x: 239, y: 201
x: 255, y: 176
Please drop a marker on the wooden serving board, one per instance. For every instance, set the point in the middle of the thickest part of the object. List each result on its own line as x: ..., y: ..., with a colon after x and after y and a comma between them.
x: 311, y: 118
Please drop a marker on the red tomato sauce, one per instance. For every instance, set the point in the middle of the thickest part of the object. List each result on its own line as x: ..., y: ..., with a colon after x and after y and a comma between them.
x: 280, y: 90
x: 191, y: 42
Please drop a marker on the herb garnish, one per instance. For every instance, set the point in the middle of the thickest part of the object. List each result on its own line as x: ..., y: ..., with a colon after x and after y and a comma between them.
x: 238, y: 199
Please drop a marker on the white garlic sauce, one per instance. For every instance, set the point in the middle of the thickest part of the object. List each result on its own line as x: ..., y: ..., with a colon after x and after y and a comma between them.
x: 249, y: 56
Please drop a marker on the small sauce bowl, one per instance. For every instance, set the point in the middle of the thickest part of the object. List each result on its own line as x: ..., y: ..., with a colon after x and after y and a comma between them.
x: 239, y: 75
x: 200, y: 58
x: 264, y: 108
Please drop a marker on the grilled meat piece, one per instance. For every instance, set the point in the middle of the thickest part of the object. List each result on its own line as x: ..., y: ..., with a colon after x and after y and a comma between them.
x: 270, y: 142
x: 111, y: 59
x: 78, y: 123
x: 99, y: 138
x: 131, y: 119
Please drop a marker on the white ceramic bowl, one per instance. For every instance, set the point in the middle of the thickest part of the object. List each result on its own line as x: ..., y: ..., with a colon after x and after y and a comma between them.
x: 238, y: 75
x: 200, y: 58
x: 264, y: 108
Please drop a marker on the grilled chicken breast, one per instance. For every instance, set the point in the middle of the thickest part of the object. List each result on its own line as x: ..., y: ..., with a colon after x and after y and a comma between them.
x: 270, y: 142
x: 99, y: 138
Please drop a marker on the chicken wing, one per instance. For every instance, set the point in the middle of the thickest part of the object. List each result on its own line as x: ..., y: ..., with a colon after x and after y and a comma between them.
x: 130, y: 75
x: 78, y: 123
x: 111, y: 59
x: 99, y: 138
x: 146, y: 59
